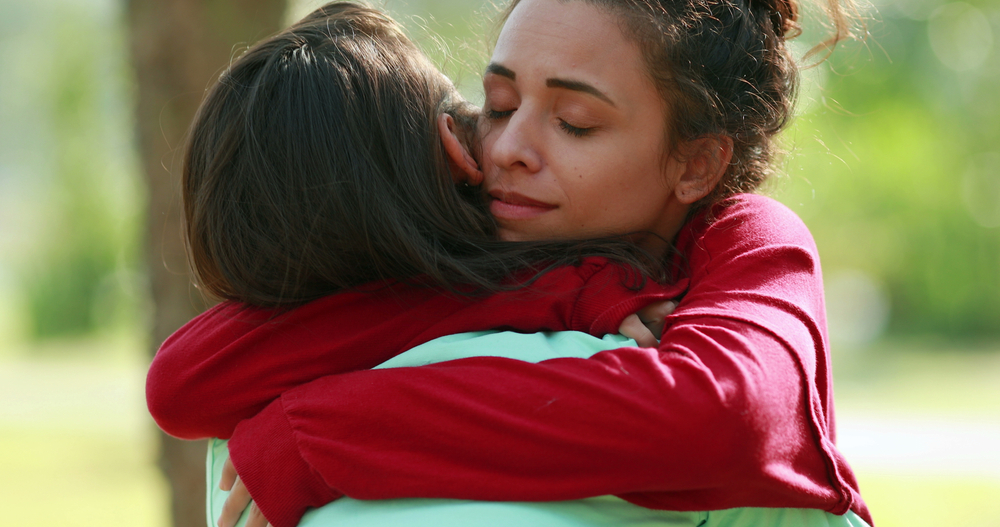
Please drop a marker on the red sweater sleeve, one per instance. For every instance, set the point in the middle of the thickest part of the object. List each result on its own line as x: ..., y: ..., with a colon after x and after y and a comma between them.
x: 227, y: 364
x: 734, y: 409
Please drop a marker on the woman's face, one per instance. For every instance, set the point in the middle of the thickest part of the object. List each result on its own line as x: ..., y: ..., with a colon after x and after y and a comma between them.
x: 575, y: 144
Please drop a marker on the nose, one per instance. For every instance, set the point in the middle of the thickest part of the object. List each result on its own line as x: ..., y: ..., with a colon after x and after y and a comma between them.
x: 515, y: 147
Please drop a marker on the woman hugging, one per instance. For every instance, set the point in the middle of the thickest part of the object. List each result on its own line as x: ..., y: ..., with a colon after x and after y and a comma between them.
x: 421, y: 299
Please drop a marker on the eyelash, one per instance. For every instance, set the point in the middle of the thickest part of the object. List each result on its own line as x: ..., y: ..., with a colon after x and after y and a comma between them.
x: 574, y: 130
x: 495, y: 115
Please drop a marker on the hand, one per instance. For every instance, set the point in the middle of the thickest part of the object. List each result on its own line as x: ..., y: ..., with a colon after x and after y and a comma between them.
x: 239, y: 498
x: 646, y: 325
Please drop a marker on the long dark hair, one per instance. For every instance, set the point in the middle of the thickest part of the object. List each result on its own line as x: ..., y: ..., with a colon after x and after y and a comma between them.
x: 314, y: 165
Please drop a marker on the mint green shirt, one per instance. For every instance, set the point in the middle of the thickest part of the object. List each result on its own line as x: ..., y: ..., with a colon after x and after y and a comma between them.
x: 601, y: 511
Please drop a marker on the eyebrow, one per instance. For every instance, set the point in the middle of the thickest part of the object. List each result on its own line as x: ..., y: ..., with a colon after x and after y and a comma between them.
x: 580, y: 87
x: 583, y: 87
x: 502, y: 71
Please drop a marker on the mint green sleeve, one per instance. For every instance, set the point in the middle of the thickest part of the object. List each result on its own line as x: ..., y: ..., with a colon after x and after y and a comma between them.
x: 752, y: 516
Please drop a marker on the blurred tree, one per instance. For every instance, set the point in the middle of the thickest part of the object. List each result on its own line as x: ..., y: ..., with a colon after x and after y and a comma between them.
x: 178, y: 48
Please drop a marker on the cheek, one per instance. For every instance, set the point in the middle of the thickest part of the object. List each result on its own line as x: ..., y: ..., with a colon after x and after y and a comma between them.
x: 642, y: 169
x: 631, y: 182
x: 619, y: 170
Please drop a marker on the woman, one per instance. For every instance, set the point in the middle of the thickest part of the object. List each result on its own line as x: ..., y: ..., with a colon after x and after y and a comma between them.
x: 745, y: 352
x: 285, y: 202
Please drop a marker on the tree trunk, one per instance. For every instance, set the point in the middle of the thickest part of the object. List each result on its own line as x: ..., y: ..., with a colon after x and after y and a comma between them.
x: 178, y: 48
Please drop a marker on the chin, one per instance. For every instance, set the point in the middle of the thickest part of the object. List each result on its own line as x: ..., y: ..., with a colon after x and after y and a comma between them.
x: 509, y: 236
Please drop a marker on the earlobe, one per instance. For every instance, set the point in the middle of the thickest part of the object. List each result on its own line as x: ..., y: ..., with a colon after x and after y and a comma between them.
x: 464, y: 167
x: 705, y: 162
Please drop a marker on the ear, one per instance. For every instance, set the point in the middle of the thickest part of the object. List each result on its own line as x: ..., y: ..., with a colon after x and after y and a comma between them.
x: 705, y: 161
x: 464, y: 168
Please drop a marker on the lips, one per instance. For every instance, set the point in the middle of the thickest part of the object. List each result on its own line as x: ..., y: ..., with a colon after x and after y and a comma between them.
x: 514, y: 206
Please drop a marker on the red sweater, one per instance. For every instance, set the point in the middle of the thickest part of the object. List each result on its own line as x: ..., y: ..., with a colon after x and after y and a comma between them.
x: 734, y: 408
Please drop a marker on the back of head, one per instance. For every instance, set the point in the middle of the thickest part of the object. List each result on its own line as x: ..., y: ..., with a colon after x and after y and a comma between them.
x: 313, y: 164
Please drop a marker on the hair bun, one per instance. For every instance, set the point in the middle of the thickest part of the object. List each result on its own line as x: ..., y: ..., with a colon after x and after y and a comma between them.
x: 784, y: 15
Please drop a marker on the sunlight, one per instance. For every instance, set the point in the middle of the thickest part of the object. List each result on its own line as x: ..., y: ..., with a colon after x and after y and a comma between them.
x: 960, y: 36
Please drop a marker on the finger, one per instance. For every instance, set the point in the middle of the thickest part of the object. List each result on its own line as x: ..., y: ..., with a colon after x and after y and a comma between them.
x: 657, y: 310
x: 256, y: 518
x: 235, y: 504
x: 665, y: 309
x: 633, y: 328
x: 228, y: 475
x: 653, y: 316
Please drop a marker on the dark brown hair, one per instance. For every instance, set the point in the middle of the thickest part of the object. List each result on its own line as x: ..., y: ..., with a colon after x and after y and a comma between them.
x: 314, y: 165
x: 724, y: 67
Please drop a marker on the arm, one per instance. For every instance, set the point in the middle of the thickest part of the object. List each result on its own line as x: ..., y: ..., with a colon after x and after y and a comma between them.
x: 731, y: 410
x: 227, y: 364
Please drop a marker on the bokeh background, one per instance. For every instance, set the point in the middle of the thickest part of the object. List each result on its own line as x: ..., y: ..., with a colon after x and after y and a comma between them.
x: 893, y: 161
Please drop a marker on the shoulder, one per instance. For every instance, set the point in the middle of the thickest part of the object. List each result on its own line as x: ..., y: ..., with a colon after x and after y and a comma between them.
x: 750, y: 220
x: 757, y: 216
x: 748, y: 228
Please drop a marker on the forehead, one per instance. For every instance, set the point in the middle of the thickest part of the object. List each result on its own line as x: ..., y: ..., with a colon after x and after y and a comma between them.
x: 565, y: 34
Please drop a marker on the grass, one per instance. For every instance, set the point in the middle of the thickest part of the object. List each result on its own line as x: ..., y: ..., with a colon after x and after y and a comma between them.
x: 901, y: 501
x: 919, y: 377
x: 937, y: 382
x: 83, y: 479
x: 76, y: 447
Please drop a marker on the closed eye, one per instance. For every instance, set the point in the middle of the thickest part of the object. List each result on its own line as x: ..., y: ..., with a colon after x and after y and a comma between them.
x: 495, y: 115
x: 574, y: 130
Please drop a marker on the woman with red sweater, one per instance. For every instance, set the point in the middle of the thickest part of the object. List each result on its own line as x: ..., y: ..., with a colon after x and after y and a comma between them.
x: 734, y: 408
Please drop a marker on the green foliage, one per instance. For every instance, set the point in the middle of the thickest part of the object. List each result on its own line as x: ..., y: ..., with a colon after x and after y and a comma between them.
x: 86, y: 215
x: 62, y: 300
x: 877, y: 172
